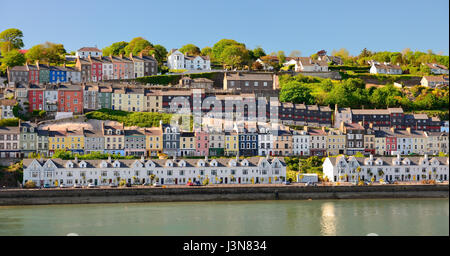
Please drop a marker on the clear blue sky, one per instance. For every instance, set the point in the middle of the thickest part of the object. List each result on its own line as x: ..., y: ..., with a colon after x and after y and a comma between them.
x: 287, y: 25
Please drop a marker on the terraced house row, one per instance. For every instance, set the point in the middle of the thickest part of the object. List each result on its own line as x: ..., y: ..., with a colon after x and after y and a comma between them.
x: 88, y: 69
x: 168, y: 171
x: 114, y: 138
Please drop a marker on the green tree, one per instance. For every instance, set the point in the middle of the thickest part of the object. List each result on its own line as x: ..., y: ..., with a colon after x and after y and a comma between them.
x: 207, y: 51
x: 136, y: 45
x: 219, y: 48
x: 235, y: 56
x: 160, y: 53
x: 296, y: 93
x: 115, y: 49
x: 258, y: 52
x: 343, y: 53
x: 281, y: 57
x: 365, y: 53
x: 35, y: 53
x: 190, y: 49
x: 11, y: 39
x: 11, y: 59
x: 53, y: 53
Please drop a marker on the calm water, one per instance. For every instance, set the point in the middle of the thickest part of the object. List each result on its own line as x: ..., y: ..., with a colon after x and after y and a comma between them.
x: 319, y: 217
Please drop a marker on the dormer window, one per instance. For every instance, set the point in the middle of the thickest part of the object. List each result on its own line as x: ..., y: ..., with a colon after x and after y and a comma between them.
x: 118, y: 132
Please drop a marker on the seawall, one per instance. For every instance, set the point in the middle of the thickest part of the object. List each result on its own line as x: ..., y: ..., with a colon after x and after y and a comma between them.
x: 124, y: 195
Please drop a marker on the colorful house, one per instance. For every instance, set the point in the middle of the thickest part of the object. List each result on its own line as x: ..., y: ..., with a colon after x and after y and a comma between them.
x: 57, y: 74
x: 231, y: 143
x: 154, y: 141
x: 70, y: 99
x: 202, y: 143
x: 35, y: 98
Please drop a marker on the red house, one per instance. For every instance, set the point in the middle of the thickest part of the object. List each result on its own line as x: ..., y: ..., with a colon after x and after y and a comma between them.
x: 70, y: 99
x: 35, y: 98
x: 33, y: 74
x: 391, y: 141
x: 96, y: 69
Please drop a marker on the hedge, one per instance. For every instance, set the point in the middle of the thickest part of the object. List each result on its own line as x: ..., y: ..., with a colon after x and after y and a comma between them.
x: 141, y: 119
x: 9, y: 122
x: 171, y: 79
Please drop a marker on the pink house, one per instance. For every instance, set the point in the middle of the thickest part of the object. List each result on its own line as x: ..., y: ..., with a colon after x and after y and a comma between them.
x: 202, y: 145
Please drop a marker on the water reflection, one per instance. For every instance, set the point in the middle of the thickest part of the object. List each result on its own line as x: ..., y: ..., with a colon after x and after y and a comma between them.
x: 328, y: 220
x: 291, y: 217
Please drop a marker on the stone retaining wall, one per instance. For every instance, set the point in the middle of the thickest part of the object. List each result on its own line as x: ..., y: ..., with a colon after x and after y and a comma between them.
x: 123, y: 195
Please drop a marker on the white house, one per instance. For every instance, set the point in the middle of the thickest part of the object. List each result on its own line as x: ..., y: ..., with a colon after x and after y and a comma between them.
x: 307, y: 64
x: 265, y: 141
x: 86, y: 51
x: 434, y: 81
x: 163, y: 171
x: 342, y: 115
x: 107, y: 69
x: 6, y: 107
x: 177, y: 60
x: 444, y: 127
x: 398, y: 168
x: 385, y: 68
x: 73, y: 75
x: 300, y: 143
x: 437, y: 69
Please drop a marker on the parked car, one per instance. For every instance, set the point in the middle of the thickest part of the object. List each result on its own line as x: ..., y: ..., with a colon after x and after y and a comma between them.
x: 438, y: 181
x: 309, y: 184
x: 65, y: 186
x: 287, y: 182
x: 91, y: 185
x: 77, y: 186
x: 47, y: 186
x: 190, y: 184
x: 113, y: 185
x: 156, y: 185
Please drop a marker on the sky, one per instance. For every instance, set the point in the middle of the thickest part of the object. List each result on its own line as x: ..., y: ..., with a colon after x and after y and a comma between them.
x: 307, y: 26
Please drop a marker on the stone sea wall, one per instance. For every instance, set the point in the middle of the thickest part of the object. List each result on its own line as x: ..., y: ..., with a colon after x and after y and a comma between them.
x: 124, y: 195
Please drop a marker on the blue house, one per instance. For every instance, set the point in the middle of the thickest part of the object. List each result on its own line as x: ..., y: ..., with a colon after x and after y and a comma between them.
x: 248, y: 143
x: 57, y: 74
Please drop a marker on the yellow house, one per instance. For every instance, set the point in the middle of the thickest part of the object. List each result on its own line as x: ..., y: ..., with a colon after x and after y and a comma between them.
x: 153, y: 141
x: 369, y: 142
x: 153, y: 101
x: 380, y: 145
x: 128, y: 99
x: 114, y: 138
x: 231, y: 143
x: 75, y: 140
x: 336, y: 142
x: 57, y: 140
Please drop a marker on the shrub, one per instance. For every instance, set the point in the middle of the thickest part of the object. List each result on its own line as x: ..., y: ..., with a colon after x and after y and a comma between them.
x: 122, y: 183
x: 30, y: 184
x: 9, y: 122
